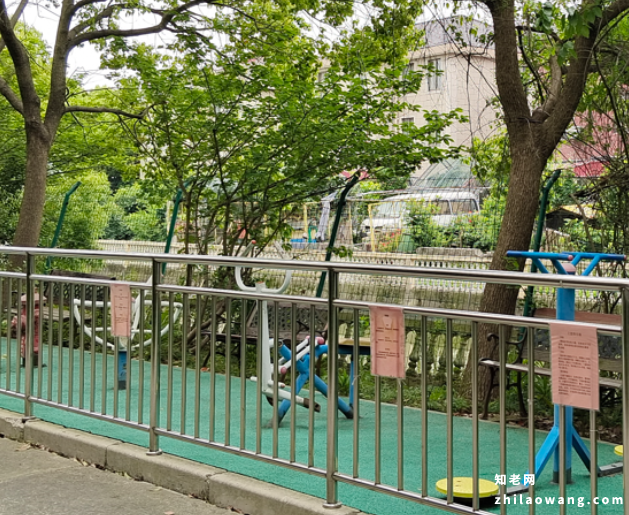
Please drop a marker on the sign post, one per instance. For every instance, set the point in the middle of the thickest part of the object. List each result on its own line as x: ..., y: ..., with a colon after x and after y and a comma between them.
x: 121, y: 327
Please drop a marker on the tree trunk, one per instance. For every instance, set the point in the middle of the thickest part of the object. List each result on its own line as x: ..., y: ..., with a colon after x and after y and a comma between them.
x: 38, y: 146
x: 515, y: 234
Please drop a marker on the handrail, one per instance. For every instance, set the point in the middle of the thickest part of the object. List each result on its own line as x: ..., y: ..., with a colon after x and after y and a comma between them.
x: 455, y: 274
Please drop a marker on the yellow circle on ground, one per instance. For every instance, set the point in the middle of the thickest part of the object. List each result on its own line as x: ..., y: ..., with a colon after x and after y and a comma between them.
x: 462, y: 487
x: 618, y: 450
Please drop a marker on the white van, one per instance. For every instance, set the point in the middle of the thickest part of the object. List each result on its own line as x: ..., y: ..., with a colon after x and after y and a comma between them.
x: 392, y: 213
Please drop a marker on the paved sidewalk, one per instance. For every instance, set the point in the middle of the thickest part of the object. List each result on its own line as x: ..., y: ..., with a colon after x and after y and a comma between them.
x: 37, y: 482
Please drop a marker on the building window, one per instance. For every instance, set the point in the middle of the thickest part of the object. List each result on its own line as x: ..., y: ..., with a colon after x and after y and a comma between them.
x: 407, y: 122
x: 321, y: 76
x: 410, y: 67
x: 434, y: 78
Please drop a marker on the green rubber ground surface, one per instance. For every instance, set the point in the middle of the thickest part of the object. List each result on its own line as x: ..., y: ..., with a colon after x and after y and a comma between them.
x: 56, y: 388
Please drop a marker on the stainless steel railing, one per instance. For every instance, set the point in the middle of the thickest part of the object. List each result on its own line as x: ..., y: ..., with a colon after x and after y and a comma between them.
x: 179, y: 387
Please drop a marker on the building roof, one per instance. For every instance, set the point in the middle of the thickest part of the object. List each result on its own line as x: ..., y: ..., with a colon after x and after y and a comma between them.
x: 449, y: 173
x: 459, y: 30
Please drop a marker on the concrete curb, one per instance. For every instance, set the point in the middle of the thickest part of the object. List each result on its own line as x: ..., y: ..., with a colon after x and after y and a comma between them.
x: 165, y: 470
x: 68, y: 442
x: 257, y: 497
x: 11, y: 425
x: 214, y: 485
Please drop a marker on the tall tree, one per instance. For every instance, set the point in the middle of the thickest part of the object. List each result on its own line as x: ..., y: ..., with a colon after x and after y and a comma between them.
x: 557, y: 44
x: 251, y: 129
x: 84, y: 142
x: 81, y: 22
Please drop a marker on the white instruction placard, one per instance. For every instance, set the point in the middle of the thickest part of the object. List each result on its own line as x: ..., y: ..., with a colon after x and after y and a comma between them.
x: 574, y: 365
x: 121, y: 310
x: 387, y: 342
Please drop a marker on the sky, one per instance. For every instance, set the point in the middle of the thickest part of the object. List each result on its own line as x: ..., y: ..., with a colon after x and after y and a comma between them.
x: 82, y: 60
x: 86, y: 60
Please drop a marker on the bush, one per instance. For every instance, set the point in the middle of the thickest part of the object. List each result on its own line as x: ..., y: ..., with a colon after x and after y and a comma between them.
x: 423, y: 231
x: 87, y: 214
x: 477, y: 230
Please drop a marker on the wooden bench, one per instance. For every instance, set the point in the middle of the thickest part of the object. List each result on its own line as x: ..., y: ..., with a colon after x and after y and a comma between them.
x: 610, y: 350
x: 582, y: 316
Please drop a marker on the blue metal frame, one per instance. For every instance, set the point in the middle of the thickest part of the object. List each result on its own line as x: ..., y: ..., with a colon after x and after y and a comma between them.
x: 303, y: 375
x: 565, y: 311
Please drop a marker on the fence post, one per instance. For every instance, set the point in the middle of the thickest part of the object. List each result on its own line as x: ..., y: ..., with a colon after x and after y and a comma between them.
x: 625, y: 385
x: 156, y: 316
x: 333, y: 394
x: 30, y: 334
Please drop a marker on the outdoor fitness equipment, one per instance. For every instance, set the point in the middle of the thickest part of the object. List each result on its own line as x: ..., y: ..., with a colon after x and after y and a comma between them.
x: 99, y: 334
x: 565, y: 311
x: 302, y: 357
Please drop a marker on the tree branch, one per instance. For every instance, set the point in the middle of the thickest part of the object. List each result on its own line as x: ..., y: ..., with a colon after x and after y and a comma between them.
x: 30, y: 103
x: 83, y: 3
x: 578, y: 70
x: 12, y: 98
x: 111, y: 110
x: 166, y: 17
x: 76, y: 30
x: 613, y: 11
x: 5, y: 90
x: 556, y: 85
x: 528, y: 28
x: 14, y: 19
x: 508, y: 78
x: 529, y: 64
x: 615, y: 110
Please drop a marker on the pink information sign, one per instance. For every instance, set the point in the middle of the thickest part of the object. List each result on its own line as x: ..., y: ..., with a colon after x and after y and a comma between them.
x: 574, y: 365
x: 387, y: 342
x: 121, y: 310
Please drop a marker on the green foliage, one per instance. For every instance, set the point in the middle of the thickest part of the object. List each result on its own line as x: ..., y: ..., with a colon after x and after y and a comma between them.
x: 389, y: 241
x: 87, y: 213
x: 603, y: 134
x: 84, y: 143
x: 134, y: 216
x: 557, y: 26
x: 12, y: 138
x: 251, y: 130
x: 94, y: 141
x: 146, y: 225
x: 474, y: 230
x: 12, y: 151
x: 9, y: 209
x: 564, y: 190
x: 478, y: 230
x: 423, y: 230
x: 491, y: 164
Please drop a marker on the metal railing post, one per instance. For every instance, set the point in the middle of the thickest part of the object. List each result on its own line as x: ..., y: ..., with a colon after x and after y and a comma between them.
x: 154, y: 449
x: 625, y: 386
x: 331, y: 497
x: 30, y: 334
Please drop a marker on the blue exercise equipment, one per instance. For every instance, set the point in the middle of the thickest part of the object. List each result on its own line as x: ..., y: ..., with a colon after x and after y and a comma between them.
x: 270, y: 370
x: 302, y: 365
x: 565, y: 264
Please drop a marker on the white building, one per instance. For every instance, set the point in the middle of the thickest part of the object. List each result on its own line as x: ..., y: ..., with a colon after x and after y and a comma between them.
x: 463, y: 54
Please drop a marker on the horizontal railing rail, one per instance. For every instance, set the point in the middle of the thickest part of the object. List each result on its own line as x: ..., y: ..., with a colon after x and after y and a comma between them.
x: 456, y: 274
